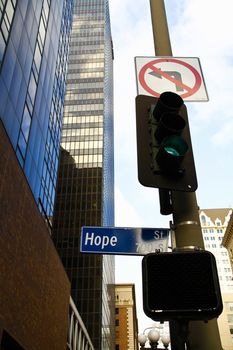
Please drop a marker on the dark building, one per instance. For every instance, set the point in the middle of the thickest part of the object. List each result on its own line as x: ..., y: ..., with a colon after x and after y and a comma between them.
x: 34, y: 288
x: 85, y: 192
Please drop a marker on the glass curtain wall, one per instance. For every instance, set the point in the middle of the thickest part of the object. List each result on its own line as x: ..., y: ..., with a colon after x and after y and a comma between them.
x: 85, y: 189
x: 34, y: 42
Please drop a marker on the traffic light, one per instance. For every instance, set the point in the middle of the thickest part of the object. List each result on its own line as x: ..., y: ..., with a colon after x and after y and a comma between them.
x: 165, y: 157
x: 181, y: 285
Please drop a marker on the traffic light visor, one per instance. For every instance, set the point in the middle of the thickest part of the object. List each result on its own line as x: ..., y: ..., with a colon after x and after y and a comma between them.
x: 169, y: 123
x: 168, y: 102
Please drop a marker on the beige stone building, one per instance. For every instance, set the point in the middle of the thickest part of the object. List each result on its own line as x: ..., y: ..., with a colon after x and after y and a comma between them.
x: 125, y: 317
x: 214, y: 223
x: 228, y: 240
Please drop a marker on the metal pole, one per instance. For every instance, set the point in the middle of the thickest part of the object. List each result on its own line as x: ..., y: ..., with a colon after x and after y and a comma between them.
x: 187, y: 228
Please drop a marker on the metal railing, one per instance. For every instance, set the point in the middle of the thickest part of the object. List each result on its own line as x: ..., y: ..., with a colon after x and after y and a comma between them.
x: 78, y: 338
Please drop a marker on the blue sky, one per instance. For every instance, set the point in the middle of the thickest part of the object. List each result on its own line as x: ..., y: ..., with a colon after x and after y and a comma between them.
x: 197, y: 29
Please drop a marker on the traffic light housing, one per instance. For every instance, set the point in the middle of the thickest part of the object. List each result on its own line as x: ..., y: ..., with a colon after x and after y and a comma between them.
x: 181, y: 285
x: 165, y: 156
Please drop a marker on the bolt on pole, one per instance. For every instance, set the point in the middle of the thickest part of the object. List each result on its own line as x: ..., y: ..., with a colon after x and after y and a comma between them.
x: 186, y: 223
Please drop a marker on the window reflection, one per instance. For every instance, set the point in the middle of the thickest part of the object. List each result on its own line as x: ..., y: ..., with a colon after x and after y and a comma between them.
x: 9, y: 12
x: 32, y: 88
x: 26, y: 123
x: 2, y: 47
x: 22, y: 145
x: 27, y: 116
x: 6, y: 16
x: 37, y: 57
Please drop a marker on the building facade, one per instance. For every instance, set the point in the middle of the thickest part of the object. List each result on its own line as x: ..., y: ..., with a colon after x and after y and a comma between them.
x: 228, y: 240
x: 34, y: 42
x: 34, y: 287
x: 85, y: 191
x: 214, y: 223
x: 125, y: 317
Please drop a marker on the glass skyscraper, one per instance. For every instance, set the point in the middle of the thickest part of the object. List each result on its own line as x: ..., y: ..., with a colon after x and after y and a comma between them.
x: 34, y: 42
x: 85, y: 191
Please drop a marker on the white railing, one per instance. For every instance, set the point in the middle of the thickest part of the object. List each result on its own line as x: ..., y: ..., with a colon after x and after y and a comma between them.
x: 78, y: 338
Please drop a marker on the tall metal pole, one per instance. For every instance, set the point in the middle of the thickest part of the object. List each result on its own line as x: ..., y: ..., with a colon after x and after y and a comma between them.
x: 186, y: 223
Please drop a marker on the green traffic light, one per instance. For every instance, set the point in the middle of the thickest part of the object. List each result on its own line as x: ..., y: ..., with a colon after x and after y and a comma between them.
x: 171, y: 153
x: 175, y: 145
x: 165, y: 157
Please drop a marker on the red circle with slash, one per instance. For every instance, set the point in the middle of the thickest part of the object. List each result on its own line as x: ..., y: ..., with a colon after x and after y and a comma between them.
x: 151, y: 65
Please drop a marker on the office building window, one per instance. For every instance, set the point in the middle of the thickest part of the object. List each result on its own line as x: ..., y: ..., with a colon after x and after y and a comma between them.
x: 7, y: 9
x: 229, y: 306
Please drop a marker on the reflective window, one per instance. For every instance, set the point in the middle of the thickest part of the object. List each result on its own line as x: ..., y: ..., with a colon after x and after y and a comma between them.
x: 26, y: 122
x: 9, y: 12
x: 7, y: 8
x: 84, y: 159
x: 2, y: 47
x: 32, y: 88
x: 22, y: 145
x: 37, y: 57
x: 42, y: 31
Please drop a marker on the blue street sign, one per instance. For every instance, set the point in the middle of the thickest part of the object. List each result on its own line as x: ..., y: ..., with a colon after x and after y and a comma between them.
x: 123, y: 241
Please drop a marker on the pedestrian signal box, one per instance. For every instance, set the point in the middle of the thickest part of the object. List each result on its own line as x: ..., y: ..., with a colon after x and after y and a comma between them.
x: 181, y: 285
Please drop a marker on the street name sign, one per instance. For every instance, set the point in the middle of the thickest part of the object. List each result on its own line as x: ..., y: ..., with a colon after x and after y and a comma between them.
x: 181, y: 75
x: 123, y: 241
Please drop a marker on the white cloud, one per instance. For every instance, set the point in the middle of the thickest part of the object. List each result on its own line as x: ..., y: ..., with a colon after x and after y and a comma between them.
x: 224, y: 136
x: 204, y: 24
x: 126, y: 214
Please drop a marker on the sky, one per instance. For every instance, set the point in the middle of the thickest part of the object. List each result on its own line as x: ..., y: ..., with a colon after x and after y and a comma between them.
x: 197, y: 29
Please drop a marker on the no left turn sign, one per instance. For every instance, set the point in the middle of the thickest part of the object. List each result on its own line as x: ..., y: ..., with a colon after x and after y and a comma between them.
x: 177, y: 74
